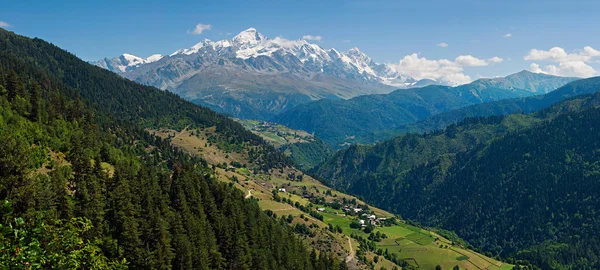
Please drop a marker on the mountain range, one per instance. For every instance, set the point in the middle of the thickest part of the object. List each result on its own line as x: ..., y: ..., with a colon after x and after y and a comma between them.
x: 253, y: 76
x: 496, y: 108
x: 341, y: 121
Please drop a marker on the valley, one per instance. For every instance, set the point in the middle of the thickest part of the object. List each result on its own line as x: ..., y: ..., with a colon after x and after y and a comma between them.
x: 344, y: 135
x: 316, y: 212
x: 511, y: 164
x: 343, y: 122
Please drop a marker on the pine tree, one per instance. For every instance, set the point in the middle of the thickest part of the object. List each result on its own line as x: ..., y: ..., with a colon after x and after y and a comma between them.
x: 36, y: 96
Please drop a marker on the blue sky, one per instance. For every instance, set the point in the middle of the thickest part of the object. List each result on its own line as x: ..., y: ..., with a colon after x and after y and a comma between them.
x: 387, y: 31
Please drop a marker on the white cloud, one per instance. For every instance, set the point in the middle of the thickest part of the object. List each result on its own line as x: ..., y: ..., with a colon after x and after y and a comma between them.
x: 508, y: 35
x: 199, y: 29
x: 495, y: 60
x: 345, y: 40
x: 566, y: 64
x: 470, y: 61
x: 4, y: 24
x: 442, y: 69
x: 311, y: 37
x: 443, y: 45
x: 535, y: 68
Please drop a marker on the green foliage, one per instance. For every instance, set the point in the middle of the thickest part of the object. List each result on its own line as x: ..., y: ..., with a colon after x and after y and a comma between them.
x: 496, y: 108
x: 523, y: 187
x: 341, y: 121
x: 53, y: 244
x: 307, y: 155
x: 155, y: 208
x: 80, y: 84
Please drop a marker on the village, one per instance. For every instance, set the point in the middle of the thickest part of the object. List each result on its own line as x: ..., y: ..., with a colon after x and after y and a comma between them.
x: 346, y: 208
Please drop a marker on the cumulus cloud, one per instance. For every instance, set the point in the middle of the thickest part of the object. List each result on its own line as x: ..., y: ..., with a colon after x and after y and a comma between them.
x: 4, y: 24
x: 470, y: 61
x: 564, y: 63
x: 443, y: 70
x: 495, y: 60
x: 311, y: 37
x: 535, y: 68
x: 443, y: 45
x: 199, y: 29
x: 508, y: 35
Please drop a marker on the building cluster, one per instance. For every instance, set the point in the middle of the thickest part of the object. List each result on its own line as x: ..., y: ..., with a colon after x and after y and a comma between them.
x: 370, y: 219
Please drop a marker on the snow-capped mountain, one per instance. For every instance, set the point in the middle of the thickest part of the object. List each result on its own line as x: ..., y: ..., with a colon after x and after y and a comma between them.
x: 126, y: 62
x: 310, y: 58
x: 268, y: 74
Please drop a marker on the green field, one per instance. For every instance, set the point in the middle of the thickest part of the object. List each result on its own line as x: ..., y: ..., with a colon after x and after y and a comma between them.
x: 420, y: 238
x: 417, y: 246
x: 413, y: 244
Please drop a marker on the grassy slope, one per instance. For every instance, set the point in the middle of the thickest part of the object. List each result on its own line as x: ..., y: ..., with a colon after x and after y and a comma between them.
x: 424, y: 247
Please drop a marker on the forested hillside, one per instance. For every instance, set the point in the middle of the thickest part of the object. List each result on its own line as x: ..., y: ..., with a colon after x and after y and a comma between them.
x: 83, y: 185
x: 304, y: 149
x: 502, y: 107
x: 342, y: 121
x: 519, y: 186
x: 126, y: 100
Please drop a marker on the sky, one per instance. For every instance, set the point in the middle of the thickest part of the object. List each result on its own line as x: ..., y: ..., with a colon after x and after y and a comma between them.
x: 459, y: 40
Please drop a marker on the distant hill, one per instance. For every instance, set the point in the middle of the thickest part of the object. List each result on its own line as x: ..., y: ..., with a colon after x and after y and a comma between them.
x: 305, y: 150
x: 502, y: 107
x: 341, y: 121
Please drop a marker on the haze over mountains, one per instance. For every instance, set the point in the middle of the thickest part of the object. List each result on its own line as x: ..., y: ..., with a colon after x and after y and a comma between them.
x: 253, y: 76
x: 340, y: 121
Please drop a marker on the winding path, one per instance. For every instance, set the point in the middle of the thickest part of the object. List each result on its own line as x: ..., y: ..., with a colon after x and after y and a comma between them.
x: 249, y: 194
x: 181, y: 132
x: 351, y: 255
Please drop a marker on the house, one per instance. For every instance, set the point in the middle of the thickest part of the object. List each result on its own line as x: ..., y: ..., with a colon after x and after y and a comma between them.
x: 362, y: 222
x: 357, y: 210
x: 282, y: 190
x: 372, y: 217
x: 321, y: 209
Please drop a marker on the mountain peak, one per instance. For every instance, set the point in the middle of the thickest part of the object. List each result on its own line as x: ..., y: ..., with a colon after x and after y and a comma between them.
x: 354, y: 50
x: 131, y: 60
x: 522, y: 72
x: 130, y: 56
x: 248, y: 37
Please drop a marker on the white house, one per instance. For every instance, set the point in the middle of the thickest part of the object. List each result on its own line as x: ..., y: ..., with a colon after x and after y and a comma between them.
x: 362, y: 222
x: 282, y: 190
x: 321, y: 209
